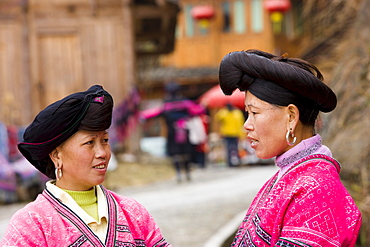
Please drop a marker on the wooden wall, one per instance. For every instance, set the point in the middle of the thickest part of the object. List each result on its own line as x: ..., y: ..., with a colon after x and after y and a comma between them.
x: 208, y: 50
x: 12, y: 79
x: 50, y: 48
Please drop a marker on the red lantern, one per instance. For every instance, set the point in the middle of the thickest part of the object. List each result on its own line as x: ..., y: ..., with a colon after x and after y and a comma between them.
x: 201, y: 12
x: 276, y: 8
x: 277, y: 5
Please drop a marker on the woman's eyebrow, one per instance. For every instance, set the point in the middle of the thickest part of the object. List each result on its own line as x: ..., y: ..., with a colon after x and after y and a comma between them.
x: 252, y: 106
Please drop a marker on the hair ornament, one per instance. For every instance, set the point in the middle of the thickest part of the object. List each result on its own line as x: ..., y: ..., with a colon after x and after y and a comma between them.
x: 285, y: 56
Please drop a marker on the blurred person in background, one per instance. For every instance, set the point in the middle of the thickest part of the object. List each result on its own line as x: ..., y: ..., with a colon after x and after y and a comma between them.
x: 68, y: 142
x: 198, y: 136
x: 230, y: 122
x: 177, y: 110
x: 304, y: 203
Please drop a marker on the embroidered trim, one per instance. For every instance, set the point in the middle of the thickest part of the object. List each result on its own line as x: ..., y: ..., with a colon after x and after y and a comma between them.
x: 112, y: 215
x: 246, y: 218
x: 260, y: 231
x: 123, y: 228
x: 73, y: 218
x: 123, y: 244
x: 99, y: 99
x: 140, y: 243
x: 323, y: 157
x: 299, y: 155
x: 161, y: 243
x: 286, y: 242
x: 82, y: 239
x: 247, y: 240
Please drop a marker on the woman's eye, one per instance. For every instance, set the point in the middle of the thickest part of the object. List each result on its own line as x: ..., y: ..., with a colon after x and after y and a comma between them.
x: 105, y: 140
x: 89, y: 142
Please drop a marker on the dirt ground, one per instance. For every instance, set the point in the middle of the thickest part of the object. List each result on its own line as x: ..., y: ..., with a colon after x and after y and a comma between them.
x: 138, y: 171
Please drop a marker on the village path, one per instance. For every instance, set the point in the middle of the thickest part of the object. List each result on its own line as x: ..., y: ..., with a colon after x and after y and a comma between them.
x: 206, y: 210
x: 199, y: 213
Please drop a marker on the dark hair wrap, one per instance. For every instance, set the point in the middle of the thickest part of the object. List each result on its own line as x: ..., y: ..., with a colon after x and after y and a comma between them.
x: 240, y: 69
x: 89, y: 110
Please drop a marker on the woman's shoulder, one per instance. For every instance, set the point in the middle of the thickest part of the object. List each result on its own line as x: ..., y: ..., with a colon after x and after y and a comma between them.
x: 39, y: 207
x: 314, y: 171
x: 316, y: 165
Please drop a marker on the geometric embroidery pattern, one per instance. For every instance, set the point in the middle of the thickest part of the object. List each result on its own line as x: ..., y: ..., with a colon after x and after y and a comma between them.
x: 305, y: 184
x: 323, y: 222
x: 298, y: 209
x: 351, y: 214
x: 247, y: 241
x: 299, y: 155
x: 122, y: 228
x: 285, y: 242
x: 259, y: 230
x: 161, y: 243
x: 140, y: 243
x: 123, y: 244
x: 79, y: 241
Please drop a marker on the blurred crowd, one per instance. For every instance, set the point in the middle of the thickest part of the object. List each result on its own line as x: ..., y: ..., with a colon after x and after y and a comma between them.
x: 19, y: 180
x: 193, y: 136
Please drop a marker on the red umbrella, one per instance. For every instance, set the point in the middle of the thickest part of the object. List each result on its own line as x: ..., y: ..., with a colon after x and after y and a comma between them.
x: 215, y: 98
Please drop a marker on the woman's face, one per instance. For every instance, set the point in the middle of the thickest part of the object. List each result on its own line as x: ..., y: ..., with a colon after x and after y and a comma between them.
x: 84, y: 158
x: 267, y: 126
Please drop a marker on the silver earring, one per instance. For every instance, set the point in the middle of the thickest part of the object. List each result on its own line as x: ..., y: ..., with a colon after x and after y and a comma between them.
x: 288, y: 134
x: 58, y: 173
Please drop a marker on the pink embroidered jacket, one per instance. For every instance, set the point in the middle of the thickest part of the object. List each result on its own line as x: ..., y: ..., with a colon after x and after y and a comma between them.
x: 48, y: 222
x: 307, y: 206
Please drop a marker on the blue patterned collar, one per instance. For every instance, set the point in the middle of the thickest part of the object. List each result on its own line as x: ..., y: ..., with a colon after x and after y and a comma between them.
x: 301, y: 150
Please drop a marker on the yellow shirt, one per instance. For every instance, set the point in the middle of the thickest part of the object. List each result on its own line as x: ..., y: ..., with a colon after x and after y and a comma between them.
x: 99, y: 227
x: 230, y: 122
x: 87, y: 200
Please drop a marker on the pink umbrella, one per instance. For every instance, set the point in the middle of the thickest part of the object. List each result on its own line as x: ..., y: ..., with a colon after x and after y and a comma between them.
x: 215, y: 98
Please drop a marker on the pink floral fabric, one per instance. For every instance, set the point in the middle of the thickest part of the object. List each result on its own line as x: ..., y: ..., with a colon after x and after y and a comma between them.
x: 48, y: 222
x: 307, y: 206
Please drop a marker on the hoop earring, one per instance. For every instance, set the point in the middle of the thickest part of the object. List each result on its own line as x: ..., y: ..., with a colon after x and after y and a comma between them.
x: 288, y: 134
x: 58, y: 173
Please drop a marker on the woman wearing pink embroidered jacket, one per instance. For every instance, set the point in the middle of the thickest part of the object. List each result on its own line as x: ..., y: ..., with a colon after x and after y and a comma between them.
x: 68, y: 142
x: 304, y: 203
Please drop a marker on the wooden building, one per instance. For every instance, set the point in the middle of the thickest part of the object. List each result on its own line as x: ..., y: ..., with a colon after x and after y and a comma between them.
x: 50, y: 48
x: 202, y: 41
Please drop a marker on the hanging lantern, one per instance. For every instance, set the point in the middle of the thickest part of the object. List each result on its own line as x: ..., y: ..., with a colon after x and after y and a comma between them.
x: 281, y: 6
x: 203, y: 14
x: 276, y: 9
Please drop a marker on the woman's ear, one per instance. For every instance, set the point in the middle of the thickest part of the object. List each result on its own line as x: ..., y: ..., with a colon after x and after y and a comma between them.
x: 293, y: 116
x: 54, y: 156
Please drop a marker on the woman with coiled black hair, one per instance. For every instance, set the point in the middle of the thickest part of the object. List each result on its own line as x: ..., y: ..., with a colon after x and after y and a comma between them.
x: 68, y: 141
x: 304, y: 203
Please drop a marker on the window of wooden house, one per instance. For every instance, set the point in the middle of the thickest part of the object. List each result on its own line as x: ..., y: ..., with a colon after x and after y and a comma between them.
x: 257, y: 16
x: 234, y: 16
x: 226, y: 17
x: 239, y: 16
x: 189, y: 21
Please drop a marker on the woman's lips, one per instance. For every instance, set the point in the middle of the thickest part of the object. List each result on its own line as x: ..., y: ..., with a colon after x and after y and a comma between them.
x: 253, y: 142
x: 100, y: 166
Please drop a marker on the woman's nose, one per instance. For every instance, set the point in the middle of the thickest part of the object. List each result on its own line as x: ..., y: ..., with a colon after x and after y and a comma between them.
x: 101, y: 151
x: 248, y: 125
